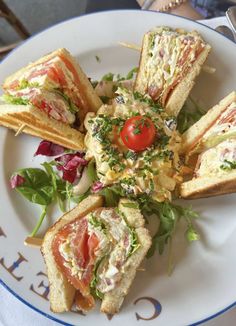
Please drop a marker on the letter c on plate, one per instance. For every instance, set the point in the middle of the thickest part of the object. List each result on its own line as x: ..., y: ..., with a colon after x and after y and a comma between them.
x: 157, y: 308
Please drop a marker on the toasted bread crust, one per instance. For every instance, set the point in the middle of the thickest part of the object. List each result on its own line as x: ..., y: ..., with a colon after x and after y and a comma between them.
x: 193, y: 134
x: 208, y: 186
x: 37, y: 123
x: 113, y: 300
x: 62, y: 293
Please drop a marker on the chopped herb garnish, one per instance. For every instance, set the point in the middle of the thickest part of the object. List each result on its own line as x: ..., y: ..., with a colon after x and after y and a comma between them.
x: 228, y: 165
x: 131, y: 155
x: 154, y: 106
x: 136, y: 131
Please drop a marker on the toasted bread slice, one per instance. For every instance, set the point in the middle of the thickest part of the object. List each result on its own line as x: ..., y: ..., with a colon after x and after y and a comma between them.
x: 60, y: 59
x: 174, y: 96
x: 208, y: 186
x: 61, y: 291
x: 193, y: 136
x: 35, y: 122
x: 113, y: 300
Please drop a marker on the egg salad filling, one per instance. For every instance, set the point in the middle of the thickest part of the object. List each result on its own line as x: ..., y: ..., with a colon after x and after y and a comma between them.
x: 219, y: 160
x: 109, y: 242
x: 171, y: 54
x: 154, y: 170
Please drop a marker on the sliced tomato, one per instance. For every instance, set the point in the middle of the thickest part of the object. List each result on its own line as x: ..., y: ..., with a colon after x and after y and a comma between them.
x: 82, y: 246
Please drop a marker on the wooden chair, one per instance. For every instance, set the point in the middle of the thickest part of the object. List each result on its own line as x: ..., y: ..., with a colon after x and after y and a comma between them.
x: 10, y: 17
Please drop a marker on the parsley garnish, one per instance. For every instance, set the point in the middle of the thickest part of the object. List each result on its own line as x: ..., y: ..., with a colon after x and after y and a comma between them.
x: 131, y: 155
x: 154, y: 106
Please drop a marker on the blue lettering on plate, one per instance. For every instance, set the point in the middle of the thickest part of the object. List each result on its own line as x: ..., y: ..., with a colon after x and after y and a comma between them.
x: 157, y: 308
x: 14, y: 266
x: 45, y: 293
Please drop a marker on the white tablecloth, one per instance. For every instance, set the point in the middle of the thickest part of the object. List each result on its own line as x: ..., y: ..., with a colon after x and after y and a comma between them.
x: 13, y: 312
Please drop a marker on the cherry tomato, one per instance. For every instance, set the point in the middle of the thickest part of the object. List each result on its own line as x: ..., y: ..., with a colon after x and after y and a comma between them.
x: 138, y: 133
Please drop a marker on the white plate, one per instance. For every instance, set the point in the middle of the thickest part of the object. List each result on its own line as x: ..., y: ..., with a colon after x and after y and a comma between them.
x: 203, y: 282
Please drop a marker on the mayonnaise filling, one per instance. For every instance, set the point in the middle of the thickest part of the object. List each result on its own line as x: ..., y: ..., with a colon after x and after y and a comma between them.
x: 213, y: 161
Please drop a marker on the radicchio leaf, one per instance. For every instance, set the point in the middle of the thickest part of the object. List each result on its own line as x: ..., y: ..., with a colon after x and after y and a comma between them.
x: 69, y: 165
x: 98, y: 185
x: 47, y: 148
x: 16, y: 181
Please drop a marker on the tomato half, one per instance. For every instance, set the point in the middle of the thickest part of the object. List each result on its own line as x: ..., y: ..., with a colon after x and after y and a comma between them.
x: 138, y: 133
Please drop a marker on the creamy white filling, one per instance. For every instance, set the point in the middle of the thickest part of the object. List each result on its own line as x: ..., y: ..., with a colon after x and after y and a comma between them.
x: 162, y: 64
x: 212, y: 159
x: 70, y: 261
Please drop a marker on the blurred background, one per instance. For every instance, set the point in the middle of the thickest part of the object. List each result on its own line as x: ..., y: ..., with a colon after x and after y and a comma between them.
x: 20, y: 19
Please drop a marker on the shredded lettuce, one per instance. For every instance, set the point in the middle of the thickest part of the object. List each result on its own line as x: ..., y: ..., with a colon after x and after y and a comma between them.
x: 24, y: 83
x: 97, y: 223
x: 15, y: 100
x: 94, y: 282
